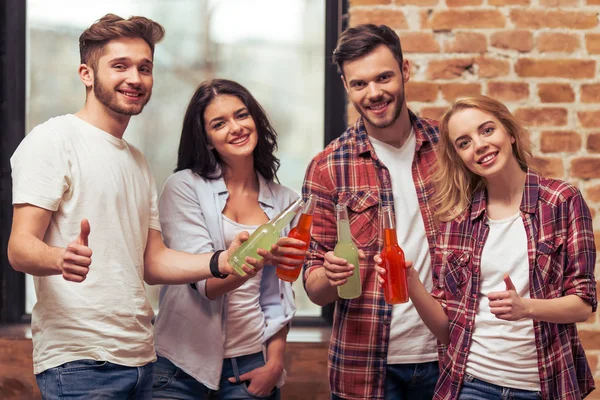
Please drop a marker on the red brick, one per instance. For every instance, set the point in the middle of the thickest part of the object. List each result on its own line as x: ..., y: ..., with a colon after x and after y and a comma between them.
x: 448, y: 69
x: 467, y: 42
x: 559, y: 3
x: 585, y: 167
x: 589, y: 119
x: 508, y: 91
x: 590, y: 93
x: 492, y: 67
x: 445, y: 20
x: 419, y: 42
x: 550, y: 116
x: 560, y: 141
x: 559, y: 68
x: 556, y: 93
x: 549, y: 167
x: 432, y: 112
x: 549, y: 42
x: 592, y: 193
x: 369, y: 2
x: 519, y: 40
x: 542, y: 18
x: 421, y: 91
x: 509, y: 2
x: 393, y: 18
x: 463, y: 3
x: 422, y: 3
x: 451, y: 91
x: 592, y: 43
x: 593, y: 143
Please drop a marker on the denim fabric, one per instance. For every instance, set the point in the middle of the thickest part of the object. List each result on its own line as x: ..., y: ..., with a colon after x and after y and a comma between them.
x: 476, y: 389
x: 95, y: 380
x: 170, y: 382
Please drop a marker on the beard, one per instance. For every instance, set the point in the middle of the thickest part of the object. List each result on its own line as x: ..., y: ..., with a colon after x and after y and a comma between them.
x: 386, y: 122
x: 108, y: 97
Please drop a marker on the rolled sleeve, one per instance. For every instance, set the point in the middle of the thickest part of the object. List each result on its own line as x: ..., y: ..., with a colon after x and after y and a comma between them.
x: 579, y: 276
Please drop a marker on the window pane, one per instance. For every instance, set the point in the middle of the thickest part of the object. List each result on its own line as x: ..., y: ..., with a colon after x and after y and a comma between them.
x: 275, y: 48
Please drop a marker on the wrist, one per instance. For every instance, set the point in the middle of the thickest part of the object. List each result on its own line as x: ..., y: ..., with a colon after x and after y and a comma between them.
x: 528, y: 306
x: 275, y: 366
x: 218, y: 262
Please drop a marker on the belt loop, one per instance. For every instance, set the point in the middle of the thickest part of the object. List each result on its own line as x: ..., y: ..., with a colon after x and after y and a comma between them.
x: 236, y: 372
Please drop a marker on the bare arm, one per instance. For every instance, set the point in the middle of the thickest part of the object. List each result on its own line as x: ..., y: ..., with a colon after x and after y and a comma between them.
x: 429, y: 309
x: 28, y: 253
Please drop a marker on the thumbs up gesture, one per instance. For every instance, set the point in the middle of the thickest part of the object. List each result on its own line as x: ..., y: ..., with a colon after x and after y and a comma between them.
x: 78, y: 256
x: 508, y: 305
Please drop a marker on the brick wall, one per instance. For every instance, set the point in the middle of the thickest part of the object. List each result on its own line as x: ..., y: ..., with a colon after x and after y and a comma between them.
x: 540, y: 57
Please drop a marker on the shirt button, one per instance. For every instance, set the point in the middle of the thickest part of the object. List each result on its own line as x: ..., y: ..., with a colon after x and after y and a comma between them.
x: 281, y: 296
x: 386, y: 321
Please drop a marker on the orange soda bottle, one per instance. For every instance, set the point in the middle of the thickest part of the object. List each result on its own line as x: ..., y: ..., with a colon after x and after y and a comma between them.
x: 301, y: 232
x: 395, y: 289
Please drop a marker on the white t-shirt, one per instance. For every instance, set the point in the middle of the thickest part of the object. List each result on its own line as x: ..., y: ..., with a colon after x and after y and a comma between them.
x: 78, y: 171
x: 504, y: 352
x: 410, y: 339
x: 245, y: 325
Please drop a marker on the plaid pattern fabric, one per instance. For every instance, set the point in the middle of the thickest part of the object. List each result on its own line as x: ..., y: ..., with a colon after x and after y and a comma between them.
x: 349, y: 172
x: 562, y: 256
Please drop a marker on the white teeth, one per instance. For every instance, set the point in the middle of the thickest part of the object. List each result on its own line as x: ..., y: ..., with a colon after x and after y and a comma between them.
x: 240, y: 140
x: 377, y: 106
x: 488, y: 158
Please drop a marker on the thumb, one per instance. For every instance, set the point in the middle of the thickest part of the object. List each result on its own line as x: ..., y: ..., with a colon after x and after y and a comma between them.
x: 508, y: 282
x: 85, y: 232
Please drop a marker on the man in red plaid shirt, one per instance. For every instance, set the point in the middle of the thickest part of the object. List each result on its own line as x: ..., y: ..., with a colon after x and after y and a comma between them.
x: 377, y: 350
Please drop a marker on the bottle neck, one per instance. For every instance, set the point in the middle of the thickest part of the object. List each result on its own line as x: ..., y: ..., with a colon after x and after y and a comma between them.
x: 389, y: 237
x: 287, y: 215
x: 343, y: 228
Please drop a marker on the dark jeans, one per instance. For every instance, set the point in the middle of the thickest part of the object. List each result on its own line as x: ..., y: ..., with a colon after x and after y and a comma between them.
x: 95, y: 380
x: 170, y: 382
x: 409, y: 381
x: 476, y: 389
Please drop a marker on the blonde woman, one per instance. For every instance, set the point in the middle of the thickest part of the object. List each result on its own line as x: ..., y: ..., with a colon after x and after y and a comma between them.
x: 514, y: 265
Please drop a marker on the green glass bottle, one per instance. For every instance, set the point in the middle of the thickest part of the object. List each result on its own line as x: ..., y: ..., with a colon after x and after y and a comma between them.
x: 346, y: 249
x: 263, y: 237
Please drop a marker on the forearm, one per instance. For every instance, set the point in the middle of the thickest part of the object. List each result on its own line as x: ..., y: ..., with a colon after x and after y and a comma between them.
x: 27, y: 253
x: 319, y: 290
x: 218, y: 287
x: 563, y: 310
x: 276, y: 350
x: 429, y: 309
x: 165, y: 266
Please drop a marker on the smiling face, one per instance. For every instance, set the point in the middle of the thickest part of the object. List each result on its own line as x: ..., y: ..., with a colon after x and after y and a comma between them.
x: 482, y: 143
x: 123, y: 77
x: 230, y: 128
x: 375, y: 86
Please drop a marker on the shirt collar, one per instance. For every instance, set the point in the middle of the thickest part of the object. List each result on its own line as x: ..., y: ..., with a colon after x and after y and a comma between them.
x: 265, y: 194
x: 363, y: 144
x: 529, y: 201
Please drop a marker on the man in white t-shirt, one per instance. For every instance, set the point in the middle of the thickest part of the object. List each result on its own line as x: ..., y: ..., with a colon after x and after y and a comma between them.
x: 91, y: 325
x: 377, y: 350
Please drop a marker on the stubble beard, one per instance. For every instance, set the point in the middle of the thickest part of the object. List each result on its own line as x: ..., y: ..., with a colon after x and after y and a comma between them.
x: 109, y: 99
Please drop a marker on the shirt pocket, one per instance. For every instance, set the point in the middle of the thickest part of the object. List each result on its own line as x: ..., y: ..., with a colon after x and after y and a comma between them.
x: 549, y: 266
x: 456, y: 274
x: 363, y: 212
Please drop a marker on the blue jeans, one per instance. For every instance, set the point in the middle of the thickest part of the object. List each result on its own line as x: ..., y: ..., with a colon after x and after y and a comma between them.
x: 409, y: 381
x: 170, y: 382
x: 476, y: 389
x: 95, y: 380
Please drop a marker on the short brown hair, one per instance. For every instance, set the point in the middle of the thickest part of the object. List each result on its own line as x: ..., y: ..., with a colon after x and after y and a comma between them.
x: 93, y: 40
x: 360, y: 40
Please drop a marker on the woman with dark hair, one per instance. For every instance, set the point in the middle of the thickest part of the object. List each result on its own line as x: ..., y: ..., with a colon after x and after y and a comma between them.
x: 224, y: 336
x: 513, y: 267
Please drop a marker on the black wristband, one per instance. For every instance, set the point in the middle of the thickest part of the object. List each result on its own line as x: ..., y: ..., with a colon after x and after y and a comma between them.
x: 214, y: 265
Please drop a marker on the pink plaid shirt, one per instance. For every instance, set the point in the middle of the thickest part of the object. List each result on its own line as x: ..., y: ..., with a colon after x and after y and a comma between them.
x: 349, y: 172
x: 562, y: 256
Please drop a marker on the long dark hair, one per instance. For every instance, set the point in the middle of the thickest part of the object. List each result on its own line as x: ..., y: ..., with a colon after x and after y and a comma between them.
x: 194, y: 152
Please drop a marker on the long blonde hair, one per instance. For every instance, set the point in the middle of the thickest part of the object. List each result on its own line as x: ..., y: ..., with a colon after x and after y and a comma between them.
x: 454, y: 183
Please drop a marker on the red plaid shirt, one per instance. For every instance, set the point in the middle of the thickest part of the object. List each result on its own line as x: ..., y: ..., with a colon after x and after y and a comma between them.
x: 349, y: 172
x: 562, y: 256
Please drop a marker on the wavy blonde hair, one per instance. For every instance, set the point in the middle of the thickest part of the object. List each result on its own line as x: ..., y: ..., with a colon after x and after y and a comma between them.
x: 454, y: 183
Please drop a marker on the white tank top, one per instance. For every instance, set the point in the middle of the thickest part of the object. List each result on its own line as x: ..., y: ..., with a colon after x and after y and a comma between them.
x: 245, y: 322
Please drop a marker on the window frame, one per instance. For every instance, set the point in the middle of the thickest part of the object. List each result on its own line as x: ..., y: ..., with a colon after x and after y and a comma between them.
x: 13, y: 68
